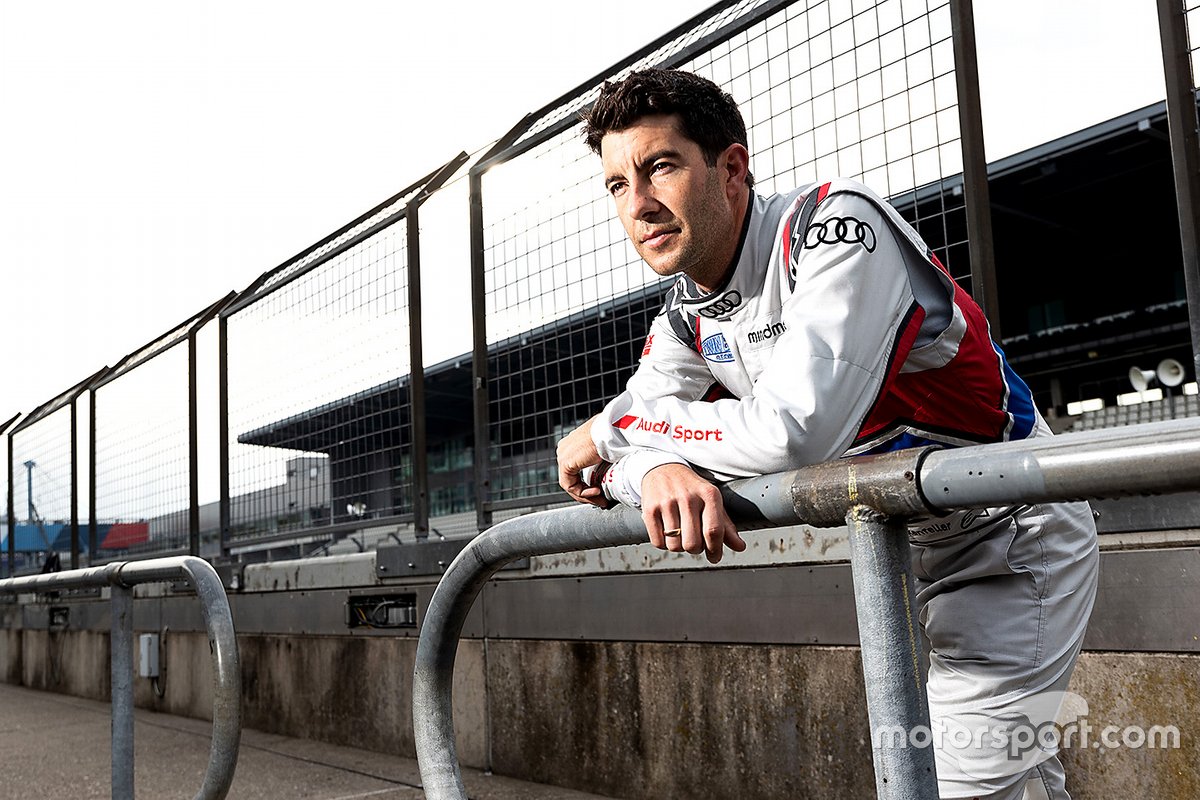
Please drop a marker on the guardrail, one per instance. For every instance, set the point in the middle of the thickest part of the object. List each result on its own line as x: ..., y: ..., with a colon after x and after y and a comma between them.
x: 121, y: 577
x: 873, y: 496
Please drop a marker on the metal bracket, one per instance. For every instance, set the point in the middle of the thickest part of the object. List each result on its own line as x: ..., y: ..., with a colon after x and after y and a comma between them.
x: 230, y: 575
x: 424, y: 558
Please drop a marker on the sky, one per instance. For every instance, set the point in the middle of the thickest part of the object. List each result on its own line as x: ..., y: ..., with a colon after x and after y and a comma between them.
x: 155, y: 156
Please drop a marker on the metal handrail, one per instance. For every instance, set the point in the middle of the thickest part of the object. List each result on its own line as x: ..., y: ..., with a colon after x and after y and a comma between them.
x: 121, y: 577
x: 874, y: 496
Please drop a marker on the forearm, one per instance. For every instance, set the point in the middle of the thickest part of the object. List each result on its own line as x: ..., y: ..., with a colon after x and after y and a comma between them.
x: 735, y: 438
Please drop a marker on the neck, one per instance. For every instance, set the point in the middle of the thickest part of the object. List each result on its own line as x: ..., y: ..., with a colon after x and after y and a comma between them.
x: 724, y: 263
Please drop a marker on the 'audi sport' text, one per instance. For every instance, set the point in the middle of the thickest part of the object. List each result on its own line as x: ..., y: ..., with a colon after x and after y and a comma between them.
x: 680, y: 432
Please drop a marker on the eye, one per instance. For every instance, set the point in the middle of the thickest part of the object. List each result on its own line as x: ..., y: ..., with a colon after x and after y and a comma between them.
x: 661, y: 167
x: 616, y: 188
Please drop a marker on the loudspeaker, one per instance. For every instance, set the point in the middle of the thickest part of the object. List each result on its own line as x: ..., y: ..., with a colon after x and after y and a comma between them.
x: 1141, y: 379
x: 1170, y: 372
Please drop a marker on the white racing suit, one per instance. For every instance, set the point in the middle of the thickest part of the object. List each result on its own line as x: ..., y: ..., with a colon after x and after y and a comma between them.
x: 838, y: 332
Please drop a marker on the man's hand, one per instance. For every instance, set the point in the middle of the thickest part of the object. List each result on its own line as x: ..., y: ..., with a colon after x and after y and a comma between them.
x: 674, y: 498
x: 575, y: 451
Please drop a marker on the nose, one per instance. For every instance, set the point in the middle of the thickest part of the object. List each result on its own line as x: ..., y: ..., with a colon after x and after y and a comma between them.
x: 642, y: 202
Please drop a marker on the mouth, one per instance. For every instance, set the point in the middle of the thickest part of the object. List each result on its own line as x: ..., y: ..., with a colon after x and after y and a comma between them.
x: 658, y: 238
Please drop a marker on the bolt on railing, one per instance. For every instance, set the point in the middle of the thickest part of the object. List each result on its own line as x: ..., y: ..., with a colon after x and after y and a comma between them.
x: 121, y: 577
x: 874, y: 496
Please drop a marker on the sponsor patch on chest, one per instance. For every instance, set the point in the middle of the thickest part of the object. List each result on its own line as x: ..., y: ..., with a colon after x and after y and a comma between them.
x: 715, y: 348
x: 762, y: 333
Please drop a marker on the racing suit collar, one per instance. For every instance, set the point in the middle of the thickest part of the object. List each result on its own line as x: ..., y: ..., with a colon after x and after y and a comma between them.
x: 693, y: 299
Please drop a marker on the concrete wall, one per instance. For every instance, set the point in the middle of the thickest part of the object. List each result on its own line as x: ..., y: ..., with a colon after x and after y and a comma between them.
x: 627, y: 719
x: 677, y: 720
x: 1142, y: 690
x: 10, y: 655
x: 70, y: 662
x: 718, y: 721
x: 342, y: 690
x: 624, y: 672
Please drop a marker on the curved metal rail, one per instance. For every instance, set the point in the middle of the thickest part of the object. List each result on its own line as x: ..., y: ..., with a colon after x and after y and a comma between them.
x: 873, y: 496
x: 121, y: 576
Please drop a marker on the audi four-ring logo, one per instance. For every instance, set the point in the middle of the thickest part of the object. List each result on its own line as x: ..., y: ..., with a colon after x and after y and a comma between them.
x: 724, y: 305
x: 840, y: 229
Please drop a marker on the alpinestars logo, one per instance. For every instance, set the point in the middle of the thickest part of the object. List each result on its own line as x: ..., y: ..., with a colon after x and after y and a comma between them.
x: 679, y: 432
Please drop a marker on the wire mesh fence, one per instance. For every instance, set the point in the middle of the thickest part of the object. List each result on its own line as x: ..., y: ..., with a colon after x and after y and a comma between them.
x: 145, y: 451
x: 317, y: 413
x: 319, y: 374
x: 45, y: 486
x: 859, y: 90
x: 1191, y: 15
x: 142, y: 469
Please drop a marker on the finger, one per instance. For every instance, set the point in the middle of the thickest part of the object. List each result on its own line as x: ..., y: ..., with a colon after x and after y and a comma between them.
x: 693, y: 527
x: 654, y: 529
x: 567, y: 479
x: 733, y: 539
x: 594, y: 496
x: 580, y: 492
x: 714, y: 533
x: 672, y: 529
x: 572, y: 487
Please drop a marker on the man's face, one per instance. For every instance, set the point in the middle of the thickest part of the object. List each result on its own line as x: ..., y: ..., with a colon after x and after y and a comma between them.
x: 681, y: 214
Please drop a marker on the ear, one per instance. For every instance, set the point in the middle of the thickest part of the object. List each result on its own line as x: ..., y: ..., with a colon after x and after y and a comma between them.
x: 734, y: 164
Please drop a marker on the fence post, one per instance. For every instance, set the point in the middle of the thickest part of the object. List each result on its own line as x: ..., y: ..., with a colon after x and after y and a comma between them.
x: 193, y: 452
x: 12, y: 517
x: 1185, y: 152
x: 479, y: 376
x: 74, y: 487
x: 223, y: 429
x: 121, y: 644
x: 93, y: 517
x: 975, y: 179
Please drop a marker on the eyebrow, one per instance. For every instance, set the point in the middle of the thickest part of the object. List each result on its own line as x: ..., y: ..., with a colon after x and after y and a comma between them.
x: 640, y: 166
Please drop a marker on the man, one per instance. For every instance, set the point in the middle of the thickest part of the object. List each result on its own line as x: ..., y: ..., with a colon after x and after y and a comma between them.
x: 815, y: 325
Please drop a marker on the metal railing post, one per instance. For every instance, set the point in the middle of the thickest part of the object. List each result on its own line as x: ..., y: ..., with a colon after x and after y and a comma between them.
x: 875, y: 495
x: 892, y: 654
x: 121, y: 576
x: 121, y: 666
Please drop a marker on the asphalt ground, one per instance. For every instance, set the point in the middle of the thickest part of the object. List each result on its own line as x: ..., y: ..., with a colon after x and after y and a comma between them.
x: 57, y: 746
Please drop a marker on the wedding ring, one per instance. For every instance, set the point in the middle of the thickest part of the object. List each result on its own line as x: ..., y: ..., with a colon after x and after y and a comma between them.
x: 673, y: 532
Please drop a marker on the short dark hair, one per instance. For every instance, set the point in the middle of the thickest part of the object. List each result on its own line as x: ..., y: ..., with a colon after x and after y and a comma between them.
x: 707, y: 114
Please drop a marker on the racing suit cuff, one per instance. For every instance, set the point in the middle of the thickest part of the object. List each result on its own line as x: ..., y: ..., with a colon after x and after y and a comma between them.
x: 610, y: 441
x: 623, y: 482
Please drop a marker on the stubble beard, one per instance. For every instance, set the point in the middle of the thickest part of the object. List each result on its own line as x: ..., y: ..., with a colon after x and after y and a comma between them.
x: 699, y: 239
